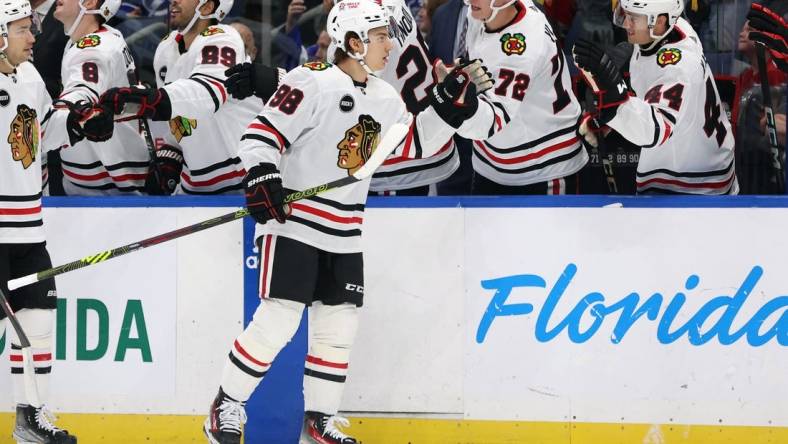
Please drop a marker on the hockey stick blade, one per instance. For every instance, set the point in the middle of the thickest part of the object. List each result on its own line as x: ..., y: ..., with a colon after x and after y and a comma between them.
x: 391, y: 140
x: 28, y: 369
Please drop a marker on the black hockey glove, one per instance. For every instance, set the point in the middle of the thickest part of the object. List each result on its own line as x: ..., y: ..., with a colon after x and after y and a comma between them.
x: 772, y: 31
x: 137, y: 102
x: 265, y: 197
x: 87, y: 121
x: 246, y: 79
x: 164, y: 174
x: 611, y: 89
x: 454, y: 97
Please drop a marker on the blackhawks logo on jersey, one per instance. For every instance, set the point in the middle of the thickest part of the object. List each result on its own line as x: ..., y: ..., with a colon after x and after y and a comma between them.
x: 181, y: 127
x: 358, y: 144
x: 212, y: 30
x: 513, y: 44
x: 89, y: 41
x: 668, y: 56
x: 23, y: 136
x: 317, y: 66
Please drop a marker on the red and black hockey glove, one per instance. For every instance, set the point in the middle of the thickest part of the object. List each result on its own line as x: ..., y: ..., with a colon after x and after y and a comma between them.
x: 164, y: 174
x: 454, y: 96
x: 247, y: 79
x: 265, y: 197
x: 772, y: 31
x: 611, y: 89
x: 135, y: 102
x: 87, y: 121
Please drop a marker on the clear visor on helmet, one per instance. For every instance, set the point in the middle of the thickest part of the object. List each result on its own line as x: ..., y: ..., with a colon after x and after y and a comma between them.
x: 624, y: 19
x: 20, y: 27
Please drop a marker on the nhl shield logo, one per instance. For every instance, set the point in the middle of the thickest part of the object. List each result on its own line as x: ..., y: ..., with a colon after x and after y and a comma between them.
x: 668, y: 56
x: 89, y: 41
x: 513, y: 44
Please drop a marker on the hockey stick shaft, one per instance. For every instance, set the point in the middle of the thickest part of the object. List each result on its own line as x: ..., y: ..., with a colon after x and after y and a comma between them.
x: 131, y: 74
x: 389, y: 143
x: 29, y: 371
x: 771, y: 127
x: 607, y: 164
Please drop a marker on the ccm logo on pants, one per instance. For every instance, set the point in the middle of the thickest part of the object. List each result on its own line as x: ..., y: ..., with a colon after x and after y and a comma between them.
x: 354, y: 287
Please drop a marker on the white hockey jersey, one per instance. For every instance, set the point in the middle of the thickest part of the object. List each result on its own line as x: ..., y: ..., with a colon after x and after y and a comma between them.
x: 321, y: 126
x: 686, y: 138
x: 206, y: 122
x: 28, y: 131
x: 409, y: 70
x: 524, y: 131
x: 92, y: 65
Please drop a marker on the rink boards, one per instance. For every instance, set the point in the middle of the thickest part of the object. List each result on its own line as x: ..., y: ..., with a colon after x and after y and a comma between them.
x: 485, y: 320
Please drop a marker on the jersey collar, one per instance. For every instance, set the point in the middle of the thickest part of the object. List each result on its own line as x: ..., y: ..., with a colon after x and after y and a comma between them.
x: 674, y: 36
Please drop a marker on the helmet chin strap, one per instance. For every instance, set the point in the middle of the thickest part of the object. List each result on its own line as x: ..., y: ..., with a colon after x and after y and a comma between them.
x: 496, y: 9
x: 360, y: 58
x: 197, y: 15
x: 657, y: 38
x: 82, y: 12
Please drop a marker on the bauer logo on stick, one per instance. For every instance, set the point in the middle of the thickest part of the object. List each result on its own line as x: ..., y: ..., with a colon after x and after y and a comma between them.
x: 668, y: 56
x: 23, y: 136
x: 358, y: 144
x: 513, y: 44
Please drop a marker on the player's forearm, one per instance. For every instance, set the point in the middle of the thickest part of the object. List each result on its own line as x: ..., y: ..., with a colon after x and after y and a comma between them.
x: 432, y: 132
x: 198, y: 96
x: 53, y: 130
x: 641, y: 123
x: 490, y: 118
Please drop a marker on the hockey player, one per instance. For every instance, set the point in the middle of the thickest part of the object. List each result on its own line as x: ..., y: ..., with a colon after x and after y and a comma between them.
x: 771, y: 30
x: 524, y: 133
x: 675, y: 114
x: 410, y: 72
x: 197, y: 116
x: 30, y: 127
x: 321, y: 125
x: 96, y: 59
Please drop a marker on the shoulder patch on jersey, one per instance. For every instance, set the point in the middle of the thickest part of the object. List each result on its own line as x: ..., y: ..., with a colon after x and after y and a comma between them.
x: 181, y: 127
x: 317, y: 66
x: 513, y: 44
x: 23, y: 136
x: 358, y: 144
x: 89, y: 41
x: 212, y: 30
x: 668, y: 56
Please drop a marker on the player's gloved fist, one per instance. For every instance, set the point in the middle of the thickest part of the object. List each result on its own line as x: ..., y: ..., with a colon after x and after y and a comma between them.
x: 164, y: 174
x: 135, y: 102
x: 246, y: 79
x: 588, y: 130
x: 265, y: 197
x: 771, y: 30
x: 88, y: 121
x: 478, y: 73
x: 454, y: 96
x: 606, y: 74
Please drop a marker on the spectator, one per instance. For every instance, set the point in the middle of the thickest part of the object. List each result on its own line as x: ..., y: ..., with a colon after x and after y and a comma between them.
x: 424, y: 17
x: 248, y: 38
x: 753, y: 152
x: 319, y: 51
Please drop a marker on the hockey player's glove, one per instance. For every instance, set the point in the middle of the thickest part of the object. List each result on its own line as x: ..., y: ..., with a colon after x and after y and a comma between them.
x: 265, y: 197
x: 137, y: 102
x: 87, y: 121
x: 771, y: 30
x: 611, y: 89
x: 454, y: 96
x: 246, y: 79
x: 164, y: 174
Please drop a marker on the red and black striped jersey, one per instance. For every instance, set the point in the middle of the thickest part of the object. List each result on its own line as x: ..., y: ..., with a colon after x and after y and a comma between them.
x: 91, y: 65
x: 524, y: 130
x: 677, y: 119
x: 321, y: 126
x: 206, y: 122
x: 30, y: 127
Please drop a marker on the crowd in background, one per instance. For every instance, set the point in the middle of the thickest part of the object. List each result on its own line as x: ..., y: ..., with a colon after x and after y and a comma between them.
x: 297, y: 34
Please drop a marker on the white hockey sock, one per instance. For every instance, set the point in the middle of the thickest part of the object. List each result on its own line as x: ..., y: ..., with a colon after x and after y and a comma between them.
x: 37, y: 325
x: 332, y: 330
x: 274, y: 324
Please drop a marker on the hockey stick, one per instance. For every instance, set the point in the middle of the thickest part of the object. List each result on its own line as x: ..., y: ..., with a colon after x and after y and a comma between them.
x: 771, y: 127
x: 387, y: 145
x: 29, y: 371
x: 607, y: 165
x: 131, y: 74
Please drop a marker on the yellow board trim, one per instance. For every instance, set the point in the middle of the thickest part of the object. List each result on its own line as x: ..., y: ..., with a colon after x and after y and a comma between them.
x: 176, y: 429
